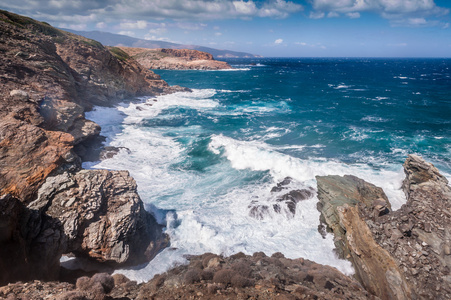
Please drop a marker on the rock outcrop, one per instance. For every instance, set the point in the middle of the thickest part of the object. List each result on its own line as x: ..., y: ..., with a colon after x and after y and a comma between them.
x: 211, y: 276
x: 48, y: 79
x: 175, y: 59
x: 397, y: 255
x: 101, y: 216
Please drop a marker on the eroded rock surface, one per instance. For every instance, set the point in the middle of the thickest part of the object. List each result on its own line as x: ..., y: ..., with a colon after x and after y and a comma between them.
x: 48, y: 79
x: 397, y: 255
x: 102, y: 216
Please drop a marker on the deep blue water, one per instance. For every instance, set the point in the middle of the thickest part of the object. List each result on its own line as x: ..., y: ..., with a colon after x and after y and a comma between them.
x: 372, y: 111
x: 202, y: 160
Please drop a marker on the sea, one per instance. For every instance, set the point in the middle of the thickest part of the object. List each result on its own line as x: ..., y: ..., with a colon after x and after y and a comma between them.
x: 204, y: 159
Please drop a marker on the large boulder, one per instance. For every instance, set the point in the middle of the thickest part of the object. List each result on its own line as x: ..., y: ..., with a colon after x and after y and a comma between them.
x: 102, y: 216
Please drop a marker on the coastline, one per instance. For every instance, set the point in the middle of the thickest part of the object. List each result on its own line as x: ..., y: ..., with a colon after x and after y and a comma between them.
x: 52, y: 206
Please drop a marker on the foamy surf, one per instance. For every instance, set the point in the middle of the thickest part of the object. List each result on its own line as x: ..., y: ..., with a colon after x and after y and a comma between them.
x: 203, y: 159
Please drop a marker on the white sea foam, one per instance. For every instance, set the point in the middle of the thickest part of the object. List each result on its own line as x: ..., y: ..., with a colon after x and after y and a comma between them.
x: 259, y: 156
x: 208, y: 212
x: 374, y: 119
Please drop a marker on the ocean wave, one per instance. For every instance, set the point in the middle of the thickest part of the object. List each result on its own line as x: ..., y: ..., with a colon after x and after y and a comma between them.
x: 374, y: 119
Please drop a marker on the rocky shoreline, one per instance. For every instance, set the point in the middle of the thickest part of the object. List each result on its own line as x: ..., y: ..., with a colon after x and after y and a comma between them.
x: 50, y: 206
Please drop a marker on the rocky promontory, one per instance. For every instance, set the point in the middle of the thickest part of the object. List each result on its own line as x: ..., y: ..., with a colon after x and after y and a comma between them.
x: 48, y: 79
x: 175, y: 59
x: 403, y: 254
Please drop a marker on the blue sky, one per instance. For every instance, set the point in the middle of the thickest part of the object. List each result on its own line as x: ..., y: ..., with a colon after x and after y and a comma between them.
x: 309, y: 28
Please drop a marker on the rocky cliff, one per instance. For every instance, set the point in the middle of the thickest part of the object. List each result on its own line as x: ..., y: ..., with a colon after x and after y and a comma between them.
x: 48, y: 79
x: 175, y: 59
x: 397, y: 255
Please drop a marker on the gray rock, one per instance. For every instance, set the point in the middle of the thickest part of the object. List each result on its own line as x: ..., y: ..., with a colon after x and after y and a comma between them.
x: 102, y: 216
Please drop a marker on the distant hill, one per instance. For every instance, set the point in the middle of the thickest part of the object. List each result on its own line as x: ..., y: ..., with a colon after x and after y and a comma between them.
x: 111, y: 39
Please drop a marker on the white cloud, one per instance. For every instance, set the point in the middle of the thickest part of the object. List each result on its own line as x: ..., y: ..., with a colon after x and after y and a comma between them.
x: 417, y: 21
x: 316, y: 15
x: 353, y: 15
x: 218, y: 33
x: 386, y: 8
x: 333, y: 14
x: 101, y: 25
x: 111, y: 10
x: 158, y: 31
x: 72, y: 26
x: 278, y: 41
x: 141, y: 24
x: 127, y: 32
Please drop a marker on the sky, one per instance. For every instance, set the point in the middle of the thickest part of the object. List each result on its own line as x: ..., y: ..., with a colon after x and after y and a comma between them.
x: 271, y: 28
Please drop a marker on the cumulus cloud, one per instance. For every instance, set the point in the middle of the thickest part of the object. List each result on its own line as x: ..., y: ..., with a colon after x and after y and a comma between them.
x: 133, y: 24
x: 353, y: 15
x: 112, y: 10
x: 394, y: 10
x: 278, y: 41
x: 101, y: 25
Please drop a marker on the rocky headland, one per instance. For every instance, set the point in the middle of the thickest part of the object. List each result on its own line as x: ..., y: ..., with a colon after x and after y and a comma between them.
x: 175, y: 59
x: 50, y: 206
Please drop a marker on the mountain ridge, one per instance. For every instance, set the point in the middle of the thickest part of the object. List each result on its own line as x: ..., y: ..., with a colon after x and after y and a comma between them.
x: 112, y: 39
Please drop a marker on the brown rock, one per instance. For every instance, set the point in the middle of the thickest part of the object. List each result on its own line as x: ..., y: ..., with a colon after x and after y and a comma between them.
x: 102, y: 216
x: 175, y: 59
x: 340, y: 199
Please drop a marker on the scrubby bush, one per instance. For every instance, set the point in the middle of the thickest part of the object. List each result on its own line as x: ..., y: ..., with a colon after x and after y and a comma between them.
x: 238, y: 255
x: 207, y: 274
x: 223, y: 276
x: 240, y: 281
x: 105, y: 280
x: 278, y: 255
x: 242, y: 267
x: 192, y: 276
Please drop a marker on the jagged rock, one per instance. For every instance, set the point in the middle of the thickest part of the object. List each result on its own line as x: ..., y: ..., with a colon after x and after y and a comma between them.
x: 279, y: 203
x: 175, y: 59
x: 102, y: 216
x: 28, y: 154
x: 63, y: 76
x: 340, y: 201
x: 421, y: 230
x: 414, y: 239
x: 49, y: 78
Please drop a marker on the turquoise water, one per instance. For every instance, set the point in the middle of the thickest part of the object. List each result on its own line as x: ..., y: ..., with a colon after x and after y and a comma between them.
x: 202, y: 160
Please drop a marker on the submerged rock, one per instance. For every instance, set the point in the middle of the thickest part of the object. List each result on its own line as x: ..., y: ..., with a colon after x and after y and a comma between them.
x: 279, y: 203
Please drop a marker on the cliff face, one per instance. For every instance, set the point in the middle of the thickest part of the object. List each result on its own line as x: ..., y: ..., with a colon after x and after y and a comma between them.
x: 48, y: 78
x: 175, y: 59
x: 397, y: 255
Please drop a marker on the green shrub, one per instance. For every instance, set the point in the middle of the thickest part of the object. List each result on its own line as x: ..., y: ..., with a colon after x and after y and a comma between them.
x: 119, y: 54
